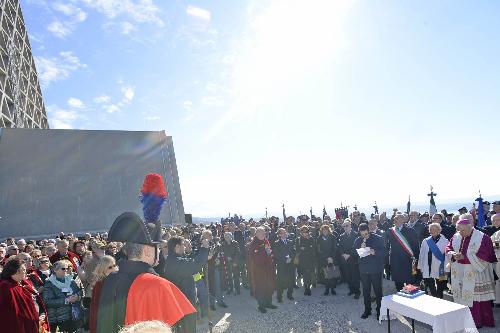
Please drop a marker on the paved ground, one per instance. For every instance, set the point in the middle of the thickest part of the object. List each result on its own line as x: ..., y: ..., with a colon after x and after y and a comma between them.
x: 318, y: 314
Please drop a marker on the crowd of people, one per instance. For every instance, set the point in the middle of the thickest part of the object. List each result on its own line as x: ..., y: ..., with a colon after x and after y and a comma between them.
x: 52, y: 284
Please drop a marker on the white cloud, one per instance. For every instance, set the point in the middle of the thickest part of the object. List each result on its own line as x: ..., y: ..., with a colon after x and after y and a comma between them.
x: 141, y: 11
x: 75, y: 13
x: 57, y: 68
x: 198, y: 13
x: 59, y: 29
x: 61, y: 118
x: 64, y: 27
x: 112, y: 108
x: 128, y: 93
x: 102, y: 99
x: 127, y: 28
x: 70, y: 58
x: 75, y: 103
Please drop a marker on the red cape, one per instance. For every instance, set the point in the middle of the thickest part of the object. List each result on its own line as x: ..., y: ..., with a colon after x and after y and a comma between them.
x: 149, y: 297
x: 18, y: 313
x: 153, y: 298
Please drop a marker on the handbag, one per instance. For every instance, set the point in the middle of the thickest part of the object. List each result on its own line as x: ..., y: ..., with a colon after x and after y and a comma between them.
x: 331, y: 272
x: 76, y: 311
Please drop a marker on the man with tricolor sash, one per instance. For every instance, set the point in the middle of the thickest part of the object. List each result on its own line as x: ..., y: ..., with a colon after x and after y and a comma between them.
x: 404, y: 252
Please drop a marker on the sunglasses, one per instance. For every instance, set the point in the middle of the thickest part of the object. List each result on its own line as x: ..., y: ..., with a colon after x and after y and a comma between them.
x: 112, y: 266
x: 64, y: 269
x: 44, y: 262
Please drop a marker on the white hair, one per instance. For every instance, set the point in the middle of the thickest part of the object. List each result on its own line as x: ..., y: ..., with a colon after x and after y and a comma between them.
x: 435, y: 225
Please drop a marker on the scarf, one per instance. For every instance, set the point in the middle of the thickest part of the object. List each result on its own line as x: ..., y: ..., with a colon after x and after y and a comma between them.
x: 437, y: 253
x: 62, y: 285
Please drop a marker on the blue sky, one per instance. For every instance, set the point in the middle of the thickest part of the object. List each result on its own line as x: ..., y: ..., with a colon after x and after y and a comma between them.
x: 305, y: 102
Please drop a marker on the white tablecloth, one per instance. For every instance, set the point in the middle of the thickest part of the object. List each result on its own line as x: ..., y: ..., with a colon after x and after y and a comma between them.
x: 443, y: 316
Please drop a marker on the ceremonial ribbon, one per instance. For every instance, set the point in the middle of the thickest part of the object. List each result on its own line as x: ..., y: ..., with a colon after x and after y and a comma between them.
x: 406, y: 247
x: 437, y: 253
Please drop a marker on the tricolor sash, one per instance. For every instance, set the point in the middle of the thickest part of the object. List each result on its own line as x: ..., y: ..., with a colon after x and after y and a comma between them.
x: 406, y: 247
x: 437, y: 253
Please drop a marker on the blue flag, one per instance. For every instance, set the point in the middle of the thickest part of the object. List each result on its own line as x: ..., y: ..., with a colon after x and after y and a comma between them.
x: 480, y: 213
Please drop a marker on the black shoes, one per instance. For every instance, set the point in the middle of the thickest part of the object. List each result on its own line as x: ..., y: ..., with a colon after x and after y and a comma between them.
x: 356, y: 296
x: 365, y: 314
x: 222, y: 305
x: 262, y: 309
x: 326, y: 293
x: 290, y: 298
x: 333, y: 292
x: 307, y: 292
x: 271, y: 306
x: 280, y: 300
x: 295, y: 286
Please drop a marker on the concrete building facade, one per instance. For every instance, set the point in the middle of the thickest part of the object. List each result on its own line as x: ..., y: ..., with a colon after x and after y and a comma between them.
x: 54, y: 180
x: 21, y: 103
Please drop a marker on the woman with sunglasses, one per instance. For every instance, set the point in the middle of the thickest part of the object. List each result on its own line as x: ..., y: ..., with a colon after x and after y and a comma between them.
x: 62, y: 299
x: 43, y: 267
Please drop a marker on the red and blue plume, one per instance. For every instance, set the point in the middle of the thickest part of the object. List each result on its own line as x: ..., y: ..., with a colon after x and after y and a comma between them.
x: 153, y: 196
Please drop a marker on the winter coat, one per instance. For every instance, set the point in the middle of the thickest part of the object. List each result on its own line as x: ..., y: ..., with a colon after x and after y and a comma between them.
x: 54, y: 299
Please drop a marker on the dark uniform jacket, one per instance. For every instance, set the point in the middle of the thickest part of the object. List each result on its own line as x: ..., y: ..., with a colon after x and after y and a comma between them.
x: 447, y: 230
x: 180, y: 270
x: 373, y: 263
x: 285, y: 271
x: 346, y: 243
x: 490, y: 230
x: 231, y: 250
x: 421, y: 230
x: 306, y: 250
x: 400, y: 260
x: 327, y: 247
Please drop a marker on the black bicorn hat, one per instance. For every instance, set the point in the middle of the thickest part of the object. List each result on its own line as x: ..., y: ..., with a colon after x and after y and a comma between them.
x: 129, y: 227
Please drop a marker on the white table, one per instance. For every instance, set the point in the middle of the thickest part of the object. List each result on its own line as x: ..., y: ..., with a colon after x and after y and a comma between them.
x: 443, y: 316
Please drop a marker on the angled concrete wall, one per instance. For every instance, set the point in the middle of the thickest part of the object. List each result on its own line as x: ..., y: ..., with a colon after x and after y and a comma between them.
x: 78, y: 180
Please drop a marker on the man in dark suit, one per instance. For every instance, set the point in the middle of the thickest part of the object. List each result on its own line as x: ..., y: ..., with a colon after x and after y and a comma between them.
x: 447, y: 230
x: 371, y: 266
x: 348, y: 263
x: 404, y: 251
x: 283, y: 254
x: 420, y: 228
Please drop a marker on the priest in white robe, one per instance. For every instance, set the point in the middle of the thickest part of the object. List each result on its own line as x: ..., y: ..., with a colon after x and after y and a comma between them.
x: 472, y: 283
